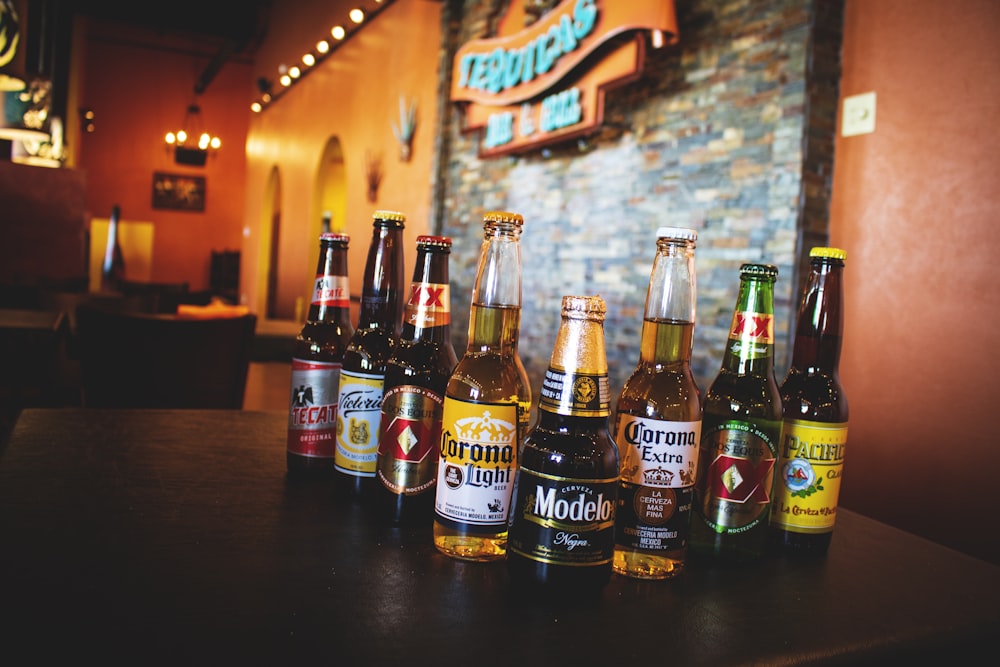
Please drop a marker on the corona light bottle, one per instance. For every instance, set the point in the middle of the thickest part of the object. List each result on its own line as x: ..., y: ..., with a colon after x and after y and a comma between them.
x: 741, y: 429
x: 415, y: 379
x: 658, y: 421
x: 814, y: 408
x: 486, y: 407
x: 363, y: 374
x: 562, y: 527
x: 316, y: 361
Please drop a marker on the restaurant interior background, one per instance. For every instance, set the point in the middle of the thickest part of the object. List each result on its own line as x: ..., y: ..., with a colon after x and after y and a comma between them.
x: 733, y: 130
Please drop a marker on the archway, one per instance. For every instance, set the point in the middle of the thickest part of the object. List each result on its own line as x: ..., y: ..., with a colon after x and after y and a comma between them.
x: 267, y: 253
x: 329, y: 206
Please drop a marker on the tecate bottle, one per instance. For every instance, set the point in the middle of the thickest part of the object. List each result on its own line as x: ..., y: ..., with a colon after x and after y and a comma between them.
x: 316, y: 361
x: 563, y: 517
x: 486, y: 406
x: 363, y: 374
x: 657, y: 422
x: 741, y: 429
x: 415, y: 379
x: 814, y: 408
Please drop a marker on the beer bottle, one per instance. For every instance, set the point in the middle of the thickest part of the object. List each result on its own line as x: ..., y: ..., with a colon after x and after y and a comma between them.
x: 814, y: 408
x: 415, y: 379
x: 316, y: 361
x: 486, y: 406
x: 741, y: 429
x: 658, y: 421
x: 363, y: 374
x: 562, y: 527
x: 113, y: 264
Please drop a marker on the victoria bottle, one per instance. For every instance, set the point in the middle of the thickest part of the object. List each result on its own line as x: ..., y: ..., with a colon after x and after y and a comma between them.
x: 814, y: 408
x: 658, y: 421
x: 486, y: 406
x: 317, y: 356
x: 563, y: 516
x: 362, y: 377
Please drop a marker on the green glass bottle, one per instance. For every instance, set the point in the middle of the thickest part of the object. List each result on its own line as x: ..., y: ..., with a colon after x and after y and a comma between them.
x: 741, y: 430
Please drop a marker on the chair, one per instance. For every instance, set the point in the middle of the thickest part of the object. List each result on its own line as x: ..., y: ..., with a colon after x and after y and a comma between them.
x: 166, y: 295
x: 133, y: 360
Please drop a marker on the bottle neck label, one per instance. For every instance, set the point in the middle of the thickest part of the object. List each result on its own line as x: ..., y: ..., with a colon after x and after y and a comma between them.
x: 751, y: 335
x: 575, y: 394
x: 332, y: 292
x: 429, y: 305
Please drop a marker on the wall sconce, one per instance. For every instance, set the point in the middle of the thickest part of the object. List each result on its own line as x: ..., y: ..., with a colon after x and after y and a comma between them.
x: 407, y: 126
x: 373, y: 174
x: 186, y: 150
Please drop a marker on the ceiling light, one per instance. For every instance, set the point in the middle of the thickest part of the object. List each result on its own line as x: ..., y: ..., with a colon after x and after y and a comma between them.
x: 308, y: 60
x: 338, y: 32
x: 322, y: 46
x: 357, y: 15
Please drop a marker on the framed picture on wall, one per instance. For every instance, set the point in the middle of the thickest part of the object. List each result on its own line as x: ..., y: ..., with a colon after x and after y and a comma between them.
x: 178, y: 192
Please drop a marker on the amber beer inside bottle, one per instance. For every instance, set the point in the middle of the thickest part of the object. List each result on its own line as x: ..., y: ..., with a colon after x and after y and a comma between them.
x: 815, y: 416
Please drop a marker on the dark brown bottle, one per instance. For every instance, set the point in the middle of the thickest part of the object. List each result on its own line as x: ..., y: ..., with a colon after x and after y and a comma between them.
x: 316, y: 361
x: 416, y: 376
x: 814, y: 429
x: 359, y: 407
x: 562, y: 526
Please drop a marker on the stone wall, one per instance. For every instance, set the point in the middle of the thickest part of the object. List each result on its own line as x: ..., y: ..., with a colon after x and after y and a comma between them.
x: 729, y: 132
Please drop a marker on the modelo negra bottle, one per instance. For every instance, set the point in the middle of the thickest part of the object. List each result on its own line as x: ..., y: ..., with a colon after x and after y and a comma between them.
x: 814, y: 408
x: 316, y: 361
x: 362, y: 377
x: 658, y: 421
x: 486, y: 407
x: 741, y: 430
x: 563, y: 517
x: 416, y: 376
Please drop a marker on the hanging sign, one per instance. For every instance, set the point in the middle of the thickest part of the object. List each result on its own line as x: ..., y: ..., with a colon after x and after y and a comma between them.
x: 545, y: 83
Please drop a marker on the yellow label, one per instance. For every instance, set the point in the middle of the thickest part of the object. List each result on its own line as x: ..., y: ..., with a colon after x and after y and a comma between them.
x: 810, y: 465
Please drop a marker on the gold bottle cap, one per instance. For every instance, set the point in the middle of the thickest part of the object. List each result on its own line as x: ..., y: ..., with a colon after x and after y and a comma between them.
x: 388, y: 216
x: 832, y: 253
x: 503, y: 216
x: 584, y: 308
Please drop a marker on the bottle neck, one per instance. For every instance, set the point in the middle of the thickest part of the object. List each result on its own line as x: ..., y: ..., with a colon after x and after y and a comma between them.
x: 427, y: 315
x: 331, y: 299
x: 668, y: 322
x: 750, y: 346
x: 820, y: 325
x: 576, y: 382
x: 382, y: 293
x: 496, y: 295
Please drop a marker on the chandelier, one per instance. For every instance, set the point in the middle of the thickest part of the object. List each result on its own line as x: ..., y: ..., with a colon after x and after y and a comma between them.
x: 192, y: 144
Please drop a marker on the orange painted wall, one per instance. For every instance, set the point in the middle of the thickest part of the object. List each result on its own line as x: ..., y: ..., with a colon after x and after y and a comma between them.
x: 353, y: 96
x: 138, y: 93
x: 915, y: 206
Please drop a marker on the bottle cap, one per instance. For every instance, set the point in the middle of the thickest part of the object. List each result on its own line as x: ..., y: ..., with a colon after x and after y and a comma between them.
x: 388, y: 216
x: 584, y: 307
x: 335, y: 236
x: 832, y: 253
x: 503, y: 216
x: 434, y: 241
x: 680, y: 233
x: 767, y: 271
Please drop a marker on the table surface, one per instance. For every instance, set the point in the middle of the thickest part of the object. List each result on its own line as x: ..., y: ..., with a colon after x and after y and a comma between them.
x: 31, y: 320
x: 174, y: 537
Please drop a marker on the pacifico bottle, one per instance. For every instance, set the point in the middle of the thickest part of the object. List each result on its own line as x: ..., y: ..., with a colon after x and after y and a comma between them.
x: 359, y: 409
x: 486, y: 407
x: 316, y: 361
x: 415, y: 379
x: 562, y: 526
x: 814, y: 434
x: 741, y: 429
x: 658, y: 421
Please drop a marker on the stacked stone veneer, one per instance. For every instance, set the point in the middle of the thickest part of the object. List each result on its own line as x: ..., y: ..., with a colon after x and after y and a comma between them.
x: 729, y: 132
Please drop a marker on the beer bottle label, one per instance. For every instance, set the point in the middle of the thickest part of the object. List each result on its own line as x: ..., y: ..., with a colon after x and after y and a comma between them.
x: 408, y: 445
x: 810, y: 464
x: 576, y: 394
x: 564, y: 521
x: 477, y: 461
x: 659, y: 468
x: 751, y: 334
x: 428, y: 306
x: 331, y: 291
x: 312, y: 415
x: 359, y: 414
x: 736, y: 489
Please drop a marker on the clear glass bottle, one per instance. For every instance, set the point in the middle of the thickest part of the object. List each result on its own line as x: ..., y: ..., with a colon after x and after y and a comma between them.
x: 416, y: 376
x: 316, y: 361
x: 658, y: 421
x: 814, y: 408
x: 363, y: 374
x: 741, y: 430
x: 563, y: 518
x: 486, y: 406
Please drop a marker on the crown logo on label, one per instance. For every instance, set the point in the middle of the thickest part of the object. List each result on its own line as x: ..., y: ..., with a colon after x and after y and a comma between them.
x: 658, y: 477
x: 485, y: 429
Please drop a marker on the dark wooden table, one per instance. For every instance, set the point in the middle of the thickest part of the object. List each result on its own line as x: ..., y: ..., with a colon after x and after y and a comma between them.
x: 30, y: 344
x: 173, y: 537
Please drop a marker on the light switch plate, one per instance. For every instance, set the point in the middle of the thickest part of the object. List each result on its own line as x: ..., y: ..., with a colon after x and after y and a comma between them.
x: 858, y: 116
